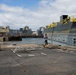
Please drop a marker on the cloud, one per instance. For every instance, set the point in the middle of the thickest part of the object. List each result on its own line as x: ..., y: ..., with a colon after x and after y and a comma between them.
x: 47, y: 12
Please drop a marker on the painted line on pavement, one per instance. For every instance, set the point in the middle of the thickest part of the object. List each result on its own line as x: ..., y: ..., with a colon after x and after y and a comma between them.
x: 31, y: 55
x: 18, y: 55
x: 58, y: 59
x: 43, y: 53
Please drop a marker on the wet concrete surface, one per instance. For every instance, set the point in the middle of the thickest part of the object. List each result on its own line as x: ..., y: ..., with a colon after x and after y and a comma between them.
x: 37, y: 62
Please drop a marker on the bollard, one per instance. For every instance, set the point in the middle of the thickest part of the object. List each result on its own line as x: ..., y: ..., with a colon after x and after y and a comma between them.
x: 0, y: 46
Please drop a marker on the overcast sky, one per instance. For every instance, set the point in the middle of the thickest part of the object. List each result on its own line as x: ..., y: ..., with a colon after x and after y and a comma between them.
x: 34, y: 13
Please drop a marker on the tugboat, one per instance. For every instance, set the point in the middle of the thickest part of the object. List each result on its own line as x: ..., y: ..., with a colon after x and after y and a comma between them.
x: 63, y: 32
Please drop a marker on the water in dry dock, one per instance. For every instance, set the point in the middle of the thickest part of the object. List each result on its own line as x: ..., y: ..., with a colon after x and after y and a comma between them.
x: 29, y: 41
x: 33, y: 40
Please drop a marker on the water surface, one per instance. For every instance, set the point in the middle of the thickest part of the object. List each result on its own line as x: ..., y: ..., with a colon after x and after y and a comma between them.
x: 28, y: 41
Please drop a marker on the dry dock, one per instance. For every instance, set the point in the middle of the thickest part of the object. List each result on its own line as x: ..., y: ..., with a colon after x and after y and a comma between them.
x: 36, y: 60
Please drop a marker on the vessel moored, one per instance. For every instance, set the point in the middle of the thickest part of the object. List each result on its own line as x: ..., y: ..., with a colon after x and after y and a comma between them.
x: 63, y: 32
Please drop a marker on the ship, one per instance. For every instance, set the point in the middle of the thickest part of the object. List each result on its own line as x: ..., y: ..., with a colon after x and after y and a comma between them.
x: 63, y: 32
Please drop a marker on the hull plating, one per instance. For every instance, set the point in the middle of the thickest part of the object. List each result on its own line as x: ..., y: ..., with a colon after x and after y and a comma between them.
x: 64, y: 34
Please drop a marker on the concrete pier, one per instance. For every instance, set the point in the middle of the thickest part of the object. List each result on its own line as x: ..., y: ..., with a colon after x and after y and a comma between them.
x: 36, y: 60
